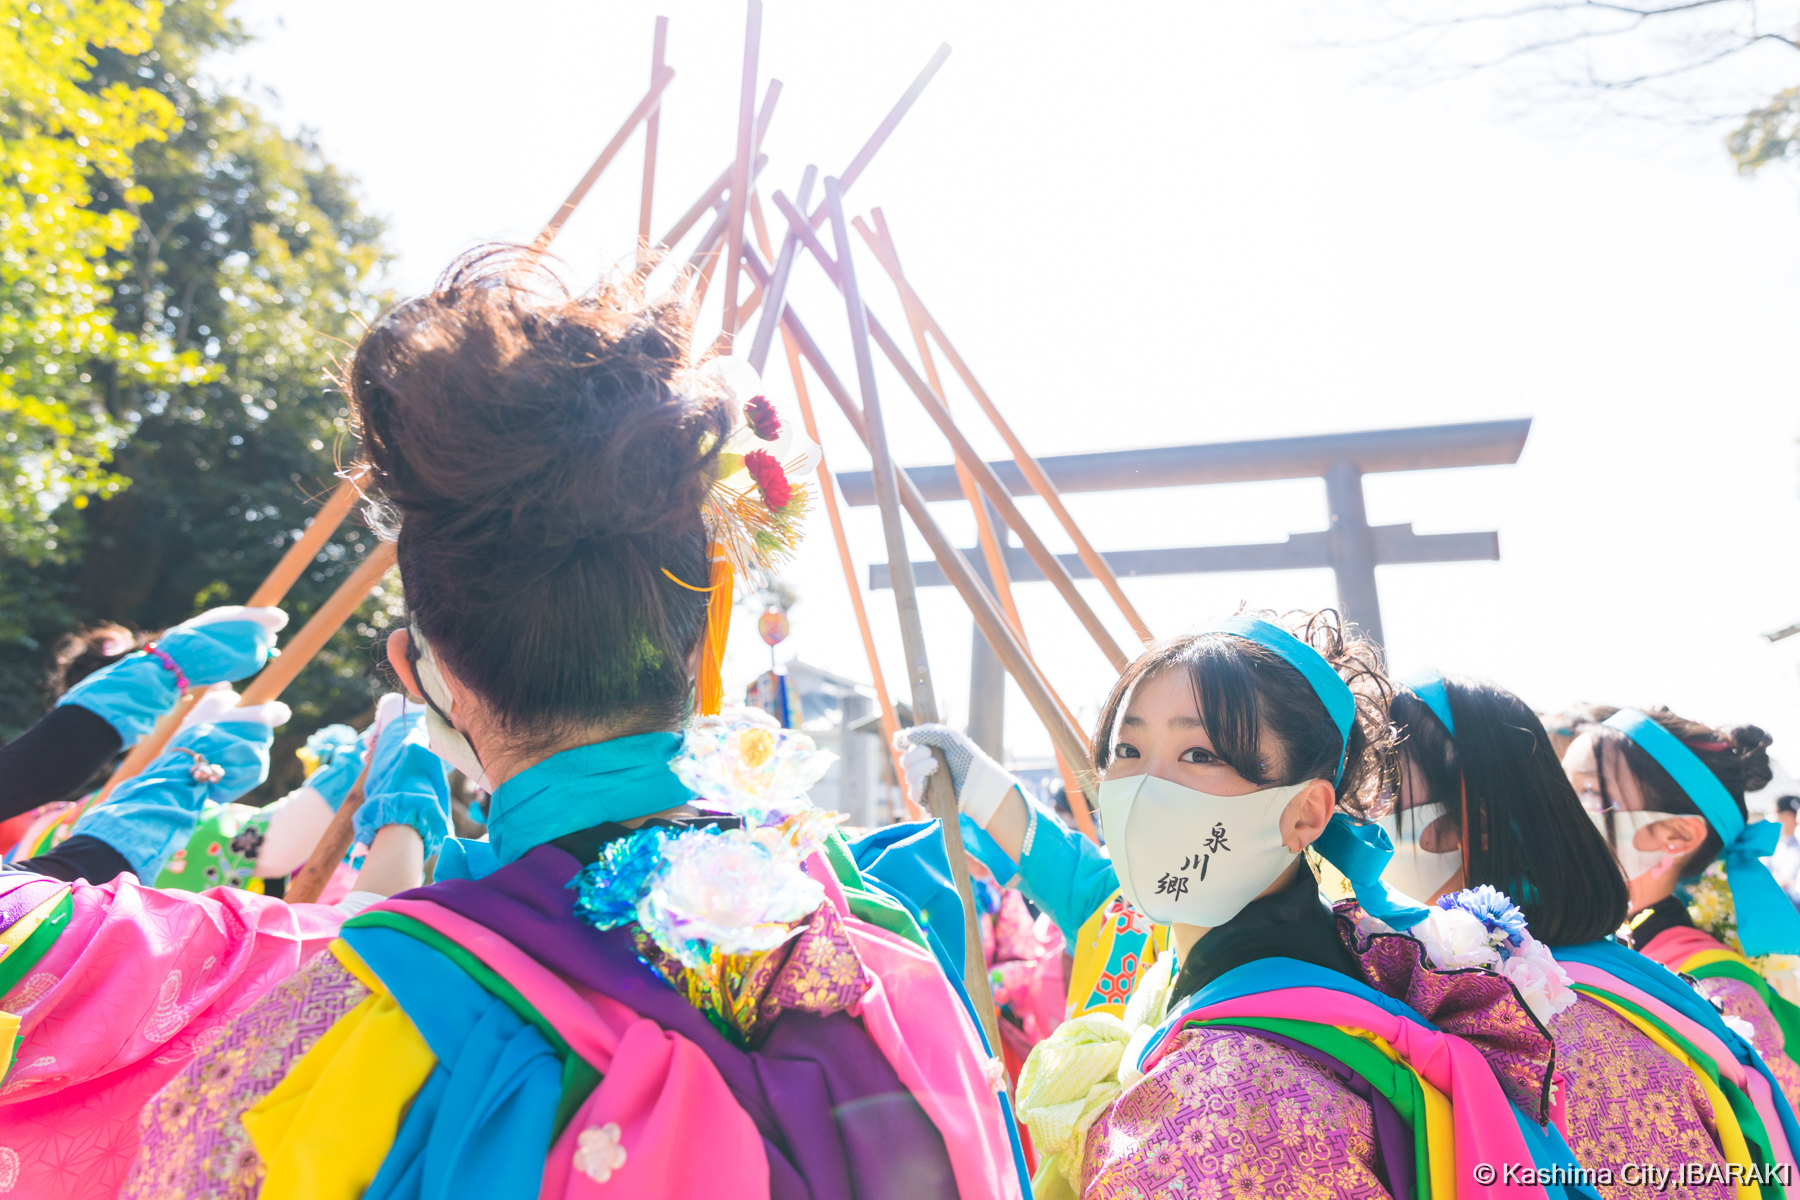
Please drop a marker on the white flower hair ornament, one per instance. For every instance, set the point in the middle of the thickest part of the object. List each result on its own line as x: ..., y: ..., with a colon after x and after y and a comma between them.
x: 756, y: 507
x: 1481, y: 927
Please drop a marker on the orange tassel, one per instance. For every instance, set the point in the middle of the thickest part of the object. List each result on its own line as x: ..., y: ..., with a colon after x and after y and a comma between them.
x: 710, y: 700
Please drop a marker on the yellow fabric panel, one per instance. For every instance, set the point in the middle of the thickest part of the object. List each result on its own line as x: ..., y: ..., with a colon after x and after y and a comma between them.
x: 9, y: 1037
x: 1093, y: 951
x: 25, y: 926
x: 353, y: 963
x: 1731, y: 1134
x: 1440, y: 1130
x: 325, y: 1129
x: 1707, y: 958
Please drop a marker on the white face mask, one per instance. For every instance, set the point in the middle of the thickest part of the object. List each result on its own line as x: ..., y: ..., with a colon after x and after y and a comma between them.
x: 1626, y: 825
x: 445, y: 740
x: 1191, y: 858
x: 1417, y: 872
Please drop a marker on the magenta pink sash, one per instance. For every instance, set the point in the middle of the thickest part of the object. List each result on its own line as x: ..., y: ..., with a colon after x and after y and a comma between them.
x: 658, y: 1089
x: 1482, y: 1119
x: 139, y: 981
x: 916, y: 1019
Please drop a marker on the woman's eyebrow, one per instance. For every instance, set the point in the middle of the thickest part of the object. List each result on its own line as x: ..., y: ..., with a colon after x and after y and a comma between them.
x: 1186, y: 722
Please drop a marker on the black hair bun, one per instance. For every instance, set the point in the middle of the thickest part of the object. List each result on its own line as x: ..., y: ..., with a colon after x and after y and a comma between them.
x: 1751, y: 745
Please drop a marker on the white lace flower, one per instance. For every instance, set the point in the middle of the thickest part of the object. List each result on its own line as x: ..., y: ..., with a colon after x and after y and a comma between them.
x: 598, y: 1153
x: 1455, y: 939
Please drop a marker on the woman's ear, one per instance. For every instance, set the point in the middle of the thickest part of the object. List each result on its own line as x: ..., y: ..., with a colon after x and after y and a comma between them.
x: 1307, y: 814
x: 1678, y: 835
x: 399, y: 642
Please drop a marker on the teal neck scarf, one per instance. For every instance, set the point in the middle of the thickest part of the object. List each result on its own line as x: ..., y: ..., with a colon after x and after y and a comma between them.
x: 580, y: 788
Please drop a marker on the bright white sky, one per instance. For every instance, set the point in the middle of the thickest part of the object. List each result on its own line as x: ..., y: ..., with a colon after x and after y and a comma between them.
x: 1162, y: 223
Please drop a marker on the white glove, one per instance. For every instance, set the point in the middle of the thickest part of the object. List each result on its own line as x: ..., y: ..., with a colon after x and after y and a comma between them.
x: 980, y: 782
x: 387, y: 708
x: 220, y: 707
x: 271, y: 619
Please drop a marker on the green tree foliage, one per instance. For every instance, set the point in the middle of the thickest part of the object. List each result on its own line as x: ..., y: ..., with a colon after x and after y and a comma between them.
x: 62, y: 132
x: 1769, y: 134
x: 250, y: 252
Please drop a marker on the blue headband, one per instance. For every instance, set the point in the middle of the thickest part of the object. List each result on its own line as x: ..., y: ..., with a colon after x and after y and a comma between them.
x: 1331, y: 690
x: 1429, y: 687
x: 1361, y: 852
x: 1767, y: 922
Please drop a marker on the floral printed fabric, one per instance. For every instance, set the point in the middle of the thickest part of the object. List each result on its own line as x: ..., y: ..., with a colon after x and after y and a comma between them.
x: 1475, y: 1004
x: 1735, y: 998
x: 1227, y: 1114
x: 819, y: 972
x: 194, y: 1145
x: 1629, y: 1102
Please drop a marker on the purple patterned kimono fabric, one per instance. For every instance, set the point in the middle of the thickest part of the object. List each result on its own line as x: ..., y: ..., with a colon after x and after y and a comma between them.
x: 814, y: 1077
x: 1392, y: 1136
x: 1735, y: 998
x: 1477, y: 1006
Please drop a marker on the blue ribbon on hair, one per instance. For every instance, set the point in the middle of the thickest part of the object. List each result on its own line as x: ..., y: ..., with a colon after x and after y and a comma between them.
x: 1429, y: 687
x: 1362, y: 853
x: 1330, y: 688
x: 1767, y: 921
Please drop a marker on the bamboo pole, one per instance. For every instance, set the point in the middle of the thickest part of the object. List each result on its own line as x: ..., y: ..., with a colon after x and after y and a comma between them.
x: 939, y: 791
x: 740, y: 176
x: 991, y: 548
x: 652, y: 127
x: 1064, y: 734
x: 890, y: 721
x: 327, y: 620
x: 271, y: 592
x: 715, y: 192
x: 1040, y: 482
x: 643, y: 109
x: 884, y: 130
x: 777, y: 289
x: 996, y: 491
x: 308, y: 883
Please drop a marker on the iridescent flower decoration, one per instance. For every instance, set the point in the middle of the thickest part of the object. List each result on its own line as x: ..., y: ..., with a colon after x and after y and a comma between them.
x: 1503, y: 919
x: 608, y: 889
x: 756, y: 770
x: 729, y: 892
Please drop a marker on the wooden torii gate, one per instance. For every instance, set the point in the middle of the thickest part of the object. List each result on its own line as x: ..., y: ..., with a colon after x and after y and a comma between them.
x: 1351, y: 547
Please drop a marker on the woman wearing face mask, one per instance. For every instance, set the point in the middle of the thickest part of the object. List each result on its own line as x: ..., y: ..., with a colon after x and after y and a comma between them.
x: 1668, y: 794
x: 1485, y: 801
x: 1241, y: 1063
x: 663, y: 974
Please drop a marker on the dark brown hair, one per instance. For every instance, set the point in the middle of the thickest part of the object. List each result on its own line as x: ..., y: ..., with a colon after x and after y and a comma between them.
x: 1738, y: 756
x: 1242, y: 687
x: 1529, y: 836
x: 85, y: 651
x: 541, y: 465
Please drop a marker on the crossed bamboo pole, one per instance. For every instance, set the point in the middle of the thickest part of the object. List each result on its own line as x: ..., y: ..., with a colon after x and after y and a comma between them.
x: 1065, y: 735
x: 991, y: 547
x: 270, y: 593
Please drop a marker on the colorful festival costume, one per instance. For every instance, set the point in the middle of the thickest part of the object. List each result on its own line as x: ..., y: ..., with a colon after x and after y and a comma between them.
x: 561, y: 1014
x: 110, y: 991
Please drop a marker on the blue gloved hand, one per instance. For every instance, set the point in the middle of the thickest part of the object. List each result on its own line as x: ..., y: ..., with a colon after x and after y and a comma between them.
x: 407, y: 783
x: 151, y: 816
x: 220, y: 644
x: 340, y: 753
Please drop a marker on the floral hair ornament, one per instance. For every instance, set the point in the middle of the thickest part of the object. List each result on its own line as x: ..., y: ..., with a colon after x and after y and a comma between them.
x: 755, y: 508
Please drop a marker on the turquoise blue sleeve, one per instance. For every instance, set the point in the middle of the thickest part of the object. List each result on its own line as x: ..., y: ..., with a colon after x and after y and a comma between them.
x: 152, y: 815
x: 334, y: 780
x: 407, y: 785
x: 1065, y: 874
x: 131, y: 694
